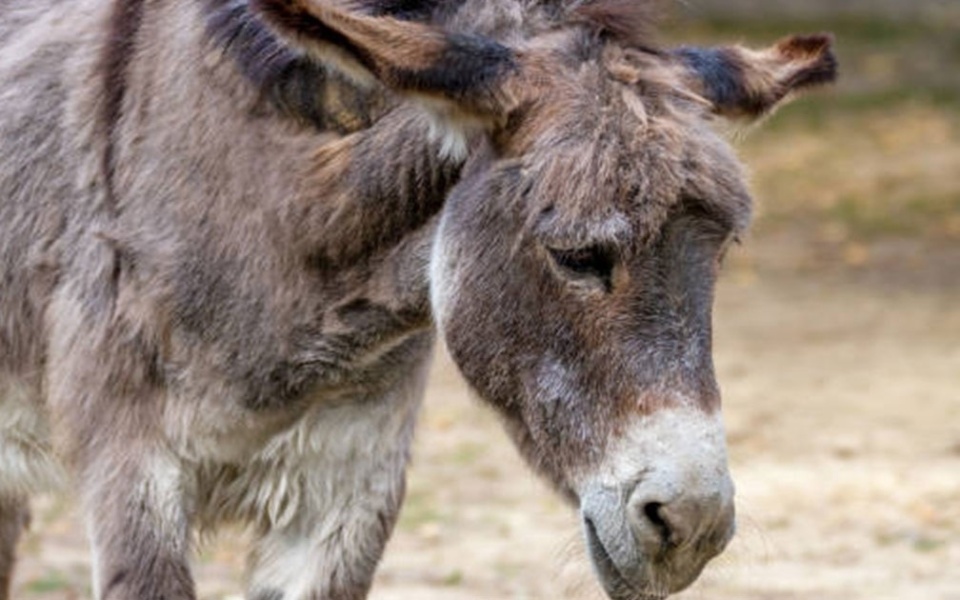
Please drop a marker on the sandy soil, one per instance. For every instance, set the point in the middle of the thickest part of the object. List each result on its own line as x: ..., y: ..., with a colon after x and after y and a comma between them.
x: 842, y: 399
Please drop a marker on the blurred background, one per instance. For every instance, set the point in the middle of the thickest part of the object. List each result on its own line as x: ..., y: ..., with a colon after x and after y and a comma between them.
x: 837, y: 346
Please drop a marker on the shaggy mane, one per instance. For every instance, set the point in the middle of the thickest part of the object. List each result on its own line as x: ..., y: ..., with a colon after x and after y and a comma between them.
x: 631, y: 22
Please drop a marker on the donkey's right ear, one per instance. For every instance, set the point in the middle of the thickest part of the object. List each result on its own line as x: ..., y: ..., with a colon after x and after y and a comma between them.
x: 462, y: 76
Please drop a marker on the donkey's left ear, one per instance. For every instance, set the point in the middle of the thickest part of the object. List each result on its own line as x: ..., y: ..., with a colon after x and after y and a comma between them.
x: 740, y: 82
x: 461, y: 76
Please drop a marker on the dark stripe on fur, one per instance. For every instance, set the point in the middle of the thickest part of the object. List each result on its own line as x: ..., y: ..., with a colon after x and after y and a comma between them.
x: 125, y: 21
x: 467, y: 68
x: 723, y: 78
x: 407, y: 10
x: 469, y: 65
x: 297, y: 86
x: 291, y: 17
x: 116, y: 580
x: 261, y: 56
x: 14, y: 518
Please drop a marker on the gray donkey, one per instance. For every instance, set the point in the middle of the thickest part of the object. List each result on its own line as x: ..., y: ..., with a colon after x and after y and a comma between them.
x: 230, y: 230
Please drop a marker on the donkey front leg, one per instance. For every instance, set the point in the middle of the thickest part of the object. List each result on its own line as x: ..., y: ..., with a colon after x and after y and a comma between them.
x: 106, y: 391
x: 347, y: 497
x: 330, y: 558
x: 14, y: 517
x: 138, y: 526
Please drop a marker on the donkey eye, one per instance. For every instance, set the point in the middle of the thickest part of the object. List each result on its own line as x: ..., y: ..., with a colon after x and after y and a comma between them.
x: 589, y: 263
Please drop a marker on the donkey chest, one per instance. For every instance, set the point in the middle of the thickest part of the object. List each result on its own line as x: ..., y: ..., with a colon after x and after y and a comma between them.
x: 268, y: 467
x: 284, y: 370
x: 267, y: 335
x: 212, y: 414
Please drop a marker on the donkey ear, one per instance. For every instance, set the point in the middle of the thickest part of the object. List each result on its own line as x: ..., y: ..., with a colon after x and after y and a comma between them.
x: 461, y: 75
x: 746, y: 83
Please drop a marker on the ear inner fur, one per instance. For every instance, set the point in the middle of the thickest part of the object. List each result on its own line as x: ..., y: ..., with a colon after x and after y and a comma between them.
x: 745, y: 83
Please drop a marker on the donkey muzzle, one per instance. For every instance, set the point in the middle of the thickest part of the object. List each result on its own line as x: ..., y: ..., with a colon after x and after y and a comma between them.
x: 661, y: 507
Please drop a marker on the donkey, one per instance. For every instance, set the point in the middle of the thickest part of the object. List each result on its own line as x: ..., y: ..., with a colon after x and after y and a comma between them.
x: 231, y: 229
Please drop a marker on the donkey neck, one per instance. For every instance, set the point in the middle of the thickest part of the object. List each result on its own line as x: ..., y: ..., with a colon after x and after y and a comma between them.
x: 369, y: 191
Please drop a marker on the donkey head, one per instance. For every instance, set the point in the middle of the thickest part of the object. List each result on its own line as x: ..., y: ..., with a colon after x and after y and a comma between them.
x: 573, y: 271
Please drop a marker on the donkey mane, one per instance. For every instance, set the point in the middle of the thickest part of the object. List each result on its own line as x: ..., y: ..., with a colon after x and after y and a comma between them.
x: 631, y: 22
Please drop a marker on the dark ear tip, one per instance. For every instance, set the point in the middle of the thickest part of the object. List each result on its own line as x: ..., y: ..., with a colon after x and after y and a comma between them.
x: 817, y: 51
x: 797, y: 46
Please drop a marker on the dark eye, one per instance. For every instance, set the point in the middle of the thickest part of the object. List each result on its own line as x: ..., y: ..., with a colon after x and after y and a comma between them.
x: 587, y: 264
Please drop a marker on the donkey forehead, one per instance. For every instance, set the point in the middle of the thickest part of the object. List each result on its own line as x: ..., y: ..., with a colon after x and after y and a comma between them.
x: 615, y: 162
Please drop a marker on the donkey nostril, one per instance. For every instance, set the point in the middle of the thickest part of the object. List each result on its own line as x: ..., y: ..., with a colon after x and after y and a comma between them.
x: 668, y: 522
x: 666, y: 526
x: 654, y: 514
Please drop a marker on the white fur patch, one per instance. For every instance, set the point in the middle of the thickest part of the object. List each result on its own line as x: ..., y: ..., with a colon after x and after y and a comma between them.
x: 162, y: 490
x: 312, y: 466
x: 443, y: 275
x: 323, y: 488
x: 451, y: 135
x: 27, y: 462
x: 287, y: 565
x: 451, y: 127
x: 673, y: 459
x: 96, y: 562
x: 675, y: 450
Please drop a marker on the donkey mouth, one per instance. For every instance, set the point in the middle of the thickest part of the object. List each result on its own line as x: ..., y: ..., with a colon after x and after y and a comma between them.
x: 617, y: 585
